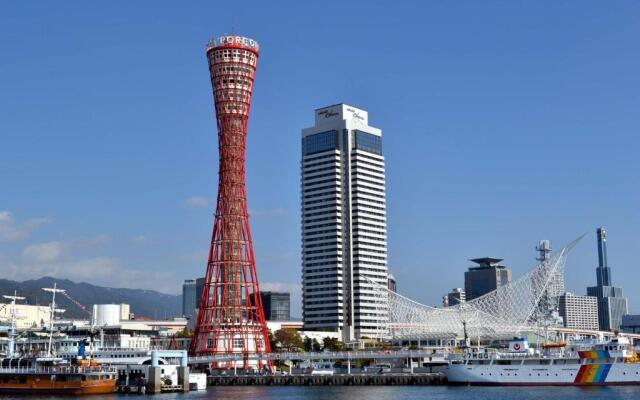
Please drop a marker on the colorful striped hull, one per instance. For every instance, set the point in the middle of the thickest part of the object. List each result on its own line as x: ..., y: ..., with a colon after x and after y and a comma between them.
x: 593, y: 355
x: 592, y: 374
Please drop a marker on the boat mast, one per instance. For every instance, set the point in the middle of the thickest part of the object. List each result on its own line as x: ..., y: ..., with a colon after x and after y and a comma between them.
x: 53, y: 291
x: 12, y: 336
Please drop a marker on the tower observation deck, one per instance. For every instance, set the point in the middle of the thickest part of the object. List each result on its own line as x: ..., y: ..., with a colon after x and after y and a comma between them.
x: 231, y: 317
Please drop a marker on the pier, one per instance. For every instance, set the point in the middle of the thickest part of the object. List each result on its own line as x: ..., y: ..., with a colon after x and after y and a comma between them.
x: 328, y: 380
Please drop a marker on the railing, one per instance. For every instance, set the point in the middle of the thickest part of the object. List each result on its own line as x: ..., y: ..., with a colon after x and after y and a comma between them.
x: 56, y: 370
x: 338, y: 355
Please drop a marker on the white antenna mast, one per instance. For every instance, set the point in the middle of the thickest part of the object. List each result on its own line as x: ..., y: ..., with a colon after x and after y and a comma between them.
x: 12, y: 335
x: 53, y: 291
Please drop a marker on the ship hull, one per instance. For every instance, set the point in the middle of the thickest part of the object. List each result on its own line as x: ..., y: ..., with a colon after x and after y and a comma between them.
x: 40, y: 383
x: 551, y: 375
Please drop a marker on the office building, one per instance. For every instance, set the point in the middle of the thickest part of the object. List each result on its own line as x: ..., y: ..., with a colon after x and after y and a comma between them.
x: 579, y: 312
x: 630, y: 323
x: 189, y: 298
x: 344, y: 226
x: 277, y: 306
x: 27, y: 316
x: 392, y: 283
x: 612, y: 304
x: 486, y: 277
x: 199, y: 289
x: 454, y: 297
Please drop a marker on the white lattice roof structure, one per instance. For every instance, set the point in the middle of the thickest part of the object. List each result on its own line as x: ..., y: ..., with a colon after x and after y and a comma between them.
x: 507, y: 311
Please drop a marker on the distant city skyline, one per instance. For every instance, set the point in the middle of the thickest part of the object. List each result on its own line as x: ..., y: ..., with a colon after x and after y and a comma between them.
x: 504, y: 124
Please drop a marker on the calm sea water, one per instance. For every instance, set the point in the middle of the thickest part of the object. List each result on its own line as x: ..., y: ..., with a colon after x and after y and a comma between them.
x: 382, y: 393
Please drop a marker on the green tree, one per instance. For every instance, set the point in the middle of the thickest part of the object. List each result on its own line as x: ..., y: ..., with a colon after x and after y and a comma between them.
x: 308, y: 344
x: 315, y: 345
x: 273, y: 343
x: 185, y: 333
x: 289, y: 339
x: 332, y: 344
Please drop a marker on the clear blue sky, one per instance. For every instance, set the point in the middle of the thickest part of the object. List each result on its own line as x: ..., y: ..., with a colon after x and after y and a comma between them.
x: 504, y: 123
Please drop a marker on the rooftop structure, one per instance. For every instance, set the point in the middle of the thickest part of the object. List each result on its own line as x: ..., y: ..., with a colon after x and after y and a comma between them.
x: 486, y: 277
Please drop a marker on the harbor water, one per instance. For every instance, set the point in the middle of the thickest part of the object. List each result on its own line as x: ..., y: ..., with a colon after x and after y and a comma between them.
x: 383, y: 393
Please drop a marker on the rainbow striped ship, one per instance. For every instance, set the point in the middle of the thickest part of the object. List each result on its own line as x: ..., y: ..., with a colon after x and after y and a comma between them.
x: 611, y: 363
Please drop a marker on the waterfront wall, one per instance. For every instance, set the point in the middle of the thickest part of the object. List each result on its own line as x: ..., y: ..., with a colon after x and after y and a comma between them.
x: 329, y: 380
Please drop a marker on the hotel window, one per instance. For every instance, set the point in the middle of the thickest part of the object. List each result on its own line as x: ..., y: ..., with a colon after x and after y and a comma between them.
x: 319, y: 142
x: 367, y: 142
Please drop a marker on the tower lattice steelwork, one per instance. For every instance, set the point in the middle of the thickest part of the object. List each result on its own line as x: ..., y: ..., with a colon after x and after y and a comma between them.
x: 230, y: 317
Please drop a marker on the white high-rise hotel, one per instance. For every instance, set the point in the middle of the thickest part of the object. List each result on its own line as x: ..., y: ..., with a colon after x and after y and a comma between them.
x: 344, y: 230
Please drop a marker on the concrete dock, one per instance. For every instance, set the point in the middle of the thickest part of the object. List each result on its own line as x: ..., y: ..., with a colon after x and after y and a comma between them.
x: 328, y: 380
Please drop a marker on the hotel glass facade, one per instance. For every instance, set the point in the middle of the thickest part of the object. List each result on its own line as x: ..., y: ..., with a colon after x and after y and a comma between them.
x: 344, y: 229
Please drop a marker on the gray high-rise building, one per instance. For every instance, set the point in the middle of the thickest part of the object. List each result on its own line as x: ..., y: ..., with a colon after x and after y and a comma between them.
x: 630, y: 323
x: 486, y: 277
x: 612, y: 304
x: 277, y: 306
x: 392, y: 283
x: 199, y: 289
x: 189, y: 298
x: 580, y: 312
x: 344, y: 223
x: 191, y: 293
x: 455, y: 296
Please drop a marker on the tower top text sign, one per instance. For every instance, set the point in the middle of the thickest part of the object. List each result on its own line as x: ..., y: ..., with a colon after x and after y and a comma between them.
x: 233, y: 41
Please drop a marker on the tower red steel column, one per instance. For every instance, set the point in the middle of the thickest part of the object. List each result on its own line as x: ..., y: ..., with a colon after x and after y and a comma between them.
x: 230, y: 317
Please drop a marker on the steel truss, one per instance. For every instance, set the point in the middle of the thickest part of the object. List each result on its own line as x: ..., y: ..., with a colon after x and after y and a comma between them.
x: 230, y: 317
x: 507, y: 311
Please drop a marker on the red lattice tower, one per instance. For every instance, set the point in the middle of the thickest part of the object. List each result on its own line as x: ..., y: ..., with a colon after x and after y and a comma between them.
x: 230, y: 317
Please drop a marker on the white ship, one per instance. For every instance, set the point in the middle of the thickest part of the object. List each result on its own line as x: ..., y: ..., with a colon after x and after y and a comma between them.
x: 611, y: 363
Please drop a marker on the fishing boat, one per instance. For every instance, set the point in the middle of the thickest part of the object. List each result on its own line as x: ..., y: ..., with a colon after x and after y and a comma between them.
x: 614, y: 362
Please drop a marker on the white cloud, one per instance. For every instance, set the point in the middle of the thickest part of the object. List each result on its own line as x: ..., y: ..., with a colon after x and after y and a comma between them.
x: 281, y: 287
x: 101, y: 240
x: 11, y: 231
x: 103, y: 271
x: 268, y: 212
x: 43, y: 252
x: 196, y: 202
x: 295, y: 289
x: 56, y: 250
x: 200, y: 256
x: 138, y: 240
x: 76, y: 258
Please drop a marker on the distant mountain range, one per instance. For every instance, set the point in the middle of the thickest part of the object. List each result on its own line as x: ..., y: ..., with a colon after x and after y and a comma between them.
x: 144, y: 303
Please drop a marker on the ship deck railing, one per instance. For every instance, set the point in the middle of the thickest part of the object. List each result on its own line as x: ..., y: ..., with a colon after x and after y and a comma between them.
x: 56, y: 370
